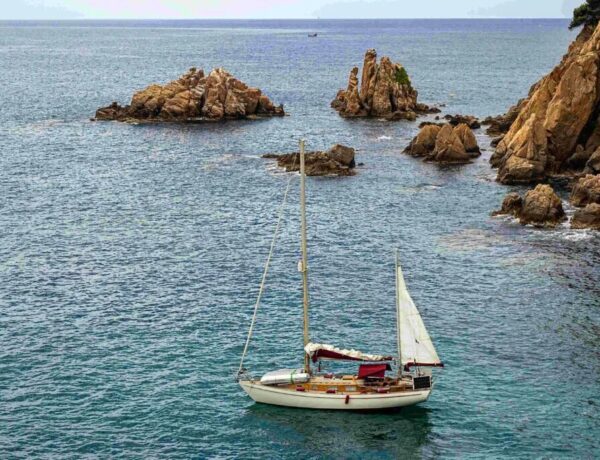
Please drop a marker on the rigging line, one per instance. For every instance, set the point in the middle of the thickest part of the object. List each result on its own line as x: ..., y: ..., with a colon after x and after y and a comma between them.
x: 266, y: 270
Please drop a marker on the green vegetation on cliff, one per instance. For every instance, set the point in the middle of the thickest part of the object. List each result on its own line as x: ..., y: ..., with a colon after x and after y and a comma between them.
x: 402, y: 77
x: 587, y: 14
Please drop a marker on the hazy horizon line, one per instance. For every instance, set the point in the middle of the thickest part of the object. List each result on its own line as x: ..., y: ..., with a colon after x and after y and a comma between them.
x: 471, y: 18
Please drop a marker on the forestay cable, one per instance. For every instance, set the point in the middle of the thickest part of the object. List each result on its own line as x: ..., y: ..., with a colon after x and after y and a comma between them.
x: 265, y: 272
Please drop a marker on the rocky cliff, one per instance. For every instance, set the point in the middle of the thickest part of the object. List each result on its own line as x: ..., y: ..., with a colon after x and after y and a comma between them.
x: 556, y: 129
x: 385, y: 90
x: 194, y: 96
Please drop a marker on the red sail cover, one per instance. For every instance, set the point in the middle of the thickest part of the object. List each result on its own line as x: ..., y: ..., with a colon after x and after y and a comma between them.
x: 373, y: 370
x: 323, y: 353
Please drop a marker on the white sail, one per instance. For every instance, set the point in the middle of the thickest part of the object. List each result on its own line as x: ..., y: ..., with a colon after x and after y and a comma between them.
x: 416, y: 347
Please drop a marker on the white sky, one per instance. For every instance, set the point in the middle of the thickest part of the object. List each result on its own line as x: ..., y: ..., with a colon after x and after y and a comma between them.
x: 252, y: 9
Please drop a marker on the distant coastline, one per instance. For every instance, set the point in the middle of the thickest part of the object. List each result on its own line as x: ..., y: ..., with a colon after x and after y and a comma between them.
x: 171, y: 22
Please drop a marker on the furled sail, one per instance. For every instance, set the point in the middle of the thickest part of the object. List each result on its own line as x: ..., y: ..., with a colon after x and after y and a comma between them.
x: 318, y: 351
x: 416, y: 347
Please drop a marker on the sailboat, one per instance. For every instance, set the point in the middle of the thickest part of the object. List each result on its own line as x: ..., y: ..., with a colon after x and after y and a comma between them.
x: 368, y: 389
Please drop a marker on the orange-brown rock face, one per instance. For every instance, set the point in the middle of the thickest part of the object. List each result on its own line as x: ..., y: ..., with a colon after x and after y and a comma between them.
x: 586, y: 191
x: 586, y: 196
x: 444, y: 144
x: 337, y: 161
x: 588, y: 217
x: 194, y: 96
x: 540, y: 207
x: 560, y: 114
x: 385, y: 91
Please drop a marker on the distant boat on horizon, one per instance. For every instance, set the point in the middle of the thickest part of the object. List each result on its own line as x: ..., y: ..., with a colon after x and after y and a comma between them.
x: 313, y: 34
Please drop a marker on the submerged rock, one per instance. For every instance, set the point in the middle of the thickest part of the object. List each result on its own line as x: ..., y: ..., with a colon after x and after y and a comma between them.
x: 192, y: 97
x: 385, y: 90
x: 540, y: 207
x: 444, y: 144
x: 561, y: 113
x: 337, y: 161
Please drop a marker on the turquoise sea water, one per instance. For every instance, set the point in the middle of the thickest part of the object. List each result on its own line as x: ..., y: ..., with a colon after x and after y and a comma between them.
x: 130, y: 256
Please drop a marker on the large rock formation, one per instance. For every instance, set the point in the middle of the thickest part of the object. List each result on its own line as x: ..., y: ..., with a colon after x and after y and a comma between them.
x: 444, y: 144
x: 560, y: 114
x: 385, y: 90
x: 337, y: 161
x: 540, y: 207
x: 192, y: 97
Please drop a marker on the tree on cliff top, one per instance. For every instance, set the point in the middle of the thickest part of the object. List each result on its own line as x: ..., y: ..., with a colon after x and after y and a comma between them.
x: 587, y: 14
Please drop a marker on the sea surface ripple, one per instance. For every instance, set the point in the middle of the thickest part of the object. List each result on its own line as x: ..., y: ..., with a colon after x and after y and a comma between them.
x: 130, y: 256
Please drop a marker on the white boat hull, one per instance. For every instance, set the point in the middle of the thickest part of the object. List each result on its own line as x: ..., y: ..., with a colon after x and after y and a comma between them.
x: 313, y: 400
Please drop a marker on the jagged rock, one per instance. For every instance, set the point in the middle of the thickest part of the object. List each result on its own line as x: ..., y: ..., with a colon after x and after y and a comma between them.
x: 499, y: 125
x: 540, y: 207
x: 580, y: 158
x: 469, y: 120
x: 424, y: 143
x: 586, y: 191
x: 343, y: 155
x: 444, y: 144
x: 588, y: 217
x: 194, y: 96
x: 449, y: 147
x: 529, y: 165
x: 385, y: 91
x: 560, y: 113
x: 337, y: 161
x: 511, y: 205
x: 495, y: 141
x: 593, y: 164
x: 468, y: 139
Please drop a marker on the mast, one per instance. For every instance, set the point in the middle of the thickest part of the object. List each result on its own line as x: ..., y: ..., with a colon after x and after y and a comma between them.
x: 304, y: 263
x: 398, y: 337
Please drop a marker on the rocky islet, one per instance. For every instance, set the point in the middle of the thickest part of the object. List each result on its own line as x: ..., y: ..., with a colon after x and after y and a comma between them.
x: 194, y: 97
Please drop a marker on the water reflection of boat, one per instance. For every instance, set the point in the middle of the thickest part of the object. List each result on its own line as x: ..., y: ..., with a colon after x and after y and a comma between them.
x: 371, y: 435
x: 313, y: 35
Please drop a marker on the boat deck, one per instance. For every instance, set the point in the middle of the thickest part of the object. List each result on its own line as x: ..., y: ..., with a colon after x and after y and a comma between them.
x: 351, y: 385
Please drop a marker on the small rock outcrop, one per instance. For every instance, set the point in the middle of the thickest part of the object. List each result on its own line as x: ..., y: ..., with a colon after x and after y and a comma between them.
x: 337, y: 161
x: 193, y: 97
x: 499, y: 125
x: 559, y: 119
x: 469, y: 120
x: 592, y: 166
x: 444, y: 144
x: 385, y: 90
x: 511, y: 205
x: 586, y: 191
x: 540, y: 207
x: 588, y: 217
